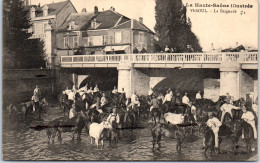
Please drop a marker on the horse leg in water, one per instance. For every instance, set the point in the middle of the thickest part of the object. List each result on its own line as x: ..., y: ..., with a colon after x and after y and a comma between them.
x: 79, y: 134
x: 53, y: 136
x: 178, y: 145
x: 74, y: 134
x: 157, y: 135
x: 59, y: 135
x: 49, y: 136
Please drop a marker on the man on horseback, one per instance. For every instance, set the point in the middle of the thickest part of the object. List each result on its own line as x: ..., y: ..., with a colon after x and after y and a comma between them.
x: 213, y: 123
x: 97, y: 105
x: 198, y: 96
x: 96, y: 89
x: 227, y: 108
x: 135, y: 100
x: 113, y: 118
x: 36, y: 102
x: 123, y: 91
x: 90, y: 91
x: 37, y: 91
x: 167, y: 100
x: 185, y: 99
x: 193, y: 110
x: 114, y: 90
x: 67, y: 91
x: 129, y: 110
x: 150, y: 91
x: 155, y: 103
x: 71, y: 97
x: 228, y: 98
x: 103, y: 100
x: 249, y: 118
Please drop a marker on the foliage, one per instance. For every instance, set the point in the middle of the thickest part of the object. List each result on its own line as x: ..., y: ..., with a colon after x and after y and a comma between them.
x: 172, y: 26
x: 21, y: 51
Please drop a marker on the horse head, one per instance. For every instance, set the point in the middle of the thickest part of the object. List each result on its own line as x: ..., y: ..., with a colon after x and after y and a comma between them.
x: 107, y: 125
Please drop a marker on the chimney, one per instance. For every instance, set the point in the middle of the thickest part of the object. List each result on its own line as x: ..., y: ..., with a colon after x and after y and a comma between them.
x: 112, y: 8
x: 141, y: 20
x: 95, y: 10
x: 212, y: 46
x: 32, y: 12
x: 236, y: 43
x: 45, y: 10
x: 132, y: 23
x: 84, y: 10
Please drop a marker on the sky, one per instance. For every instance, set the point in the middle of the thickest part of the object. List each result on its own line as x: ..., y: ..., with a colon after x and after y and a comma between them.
x: 223, y: 30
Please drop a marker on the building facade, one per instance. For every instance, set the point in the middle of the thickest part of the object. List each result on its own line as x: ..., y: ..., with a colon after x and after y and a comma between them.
x: 46, y: 20
x: 106, y: 32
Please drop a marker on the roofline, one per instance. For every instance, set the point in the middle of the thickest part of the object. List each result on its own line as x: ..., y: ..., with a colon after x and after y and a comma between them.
x: 149, y: 31
x: 65, y: 20
x: 68, y: 1
x: 144, y: 26
x: 118, y: 14
x: 143, y: 31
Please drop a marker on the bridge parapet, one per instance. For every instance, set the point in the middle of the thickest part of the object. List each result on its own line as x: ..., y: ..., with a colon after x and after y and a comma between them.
x: 240, y: 57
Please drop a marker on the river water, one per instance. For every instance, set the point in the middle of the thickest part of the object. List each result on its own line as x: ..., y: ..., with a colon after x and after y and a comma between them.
x: 21, y: 143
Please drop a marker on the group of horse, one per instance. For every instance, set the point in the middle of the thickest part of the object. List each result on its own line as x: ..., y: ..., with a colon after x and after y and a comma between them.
x: 26, y: 110
x: 129, y: 119
x: 231, y: 128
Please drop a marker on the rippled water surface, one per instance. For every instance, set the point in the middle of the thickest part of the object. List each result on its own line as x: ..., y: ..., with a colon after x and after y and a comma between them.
x: 22, y: 143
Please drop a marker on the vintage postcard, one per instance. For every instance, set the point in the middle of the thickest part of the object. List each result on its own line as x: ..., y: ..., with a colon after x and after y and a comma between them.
x: 130, y: 80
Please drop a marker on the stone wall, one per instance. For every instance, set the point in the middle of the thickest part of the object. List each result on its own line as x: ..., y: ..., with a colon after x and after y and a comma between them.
x: 211, y: 88
x: 18, y: 85
x: 246, y: 84
x: 140, y: 82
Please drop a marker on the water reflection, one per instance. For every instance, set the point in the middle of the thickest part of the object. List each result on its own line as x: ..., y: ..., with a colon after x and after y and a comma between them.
x: 22, y: 143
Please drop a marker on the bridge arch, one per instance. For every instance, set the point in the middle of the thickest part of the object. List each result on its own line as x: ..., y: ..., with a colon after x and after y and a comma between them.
x: 104, y: 83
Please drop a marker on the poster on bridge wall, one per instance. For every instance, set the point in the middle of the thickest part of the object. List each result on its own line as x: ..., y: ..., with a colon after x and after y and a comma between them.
x: 139, y: 80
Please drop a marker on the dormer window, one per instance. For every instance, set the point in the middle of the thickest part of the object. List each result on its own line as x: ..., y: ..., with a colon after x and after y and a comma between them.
x: 94, y: 24
x: 72, y: 25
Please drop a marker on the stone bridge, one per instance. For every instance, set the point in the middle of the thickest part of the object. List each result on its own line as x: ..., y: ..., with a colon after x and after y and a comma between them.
x: 233, y: 68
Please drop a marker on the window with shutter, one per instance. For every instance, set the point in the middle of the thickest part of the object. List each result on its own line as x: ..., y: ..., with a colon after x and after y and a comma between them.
x: 141, y: 37
x: 118, y: 37
x: 66, y: 42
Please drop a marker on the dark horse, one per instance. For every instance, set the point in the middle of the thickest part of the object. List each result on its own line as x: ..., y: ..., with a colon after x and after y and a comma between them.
x: 113, y: 135
x: 248, y: 135
x: 156, y: 114
x: 63, y: 124
x: 231, y: 130
x: 64, y: 103
x: 169, y: 131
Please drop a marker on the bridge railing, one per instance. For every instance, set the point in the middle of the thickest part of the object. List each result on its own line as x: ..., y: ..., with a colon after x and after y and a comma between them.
x: 245, y: 57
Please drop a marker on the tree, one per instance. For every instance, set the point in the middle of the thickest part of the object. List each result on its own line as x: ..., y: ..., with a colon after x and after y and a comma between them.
x: 172, y: 26
x: 16, y: 39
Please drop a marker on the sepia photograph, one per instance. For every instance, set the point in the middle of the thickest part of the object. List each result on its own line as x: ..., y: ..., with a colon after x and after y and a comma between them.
x: 130, y: 80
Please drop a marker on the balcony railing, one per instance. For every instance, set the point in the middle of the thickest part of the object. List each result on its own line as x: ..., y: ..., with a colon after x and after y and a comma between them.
x: 245, y: 57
